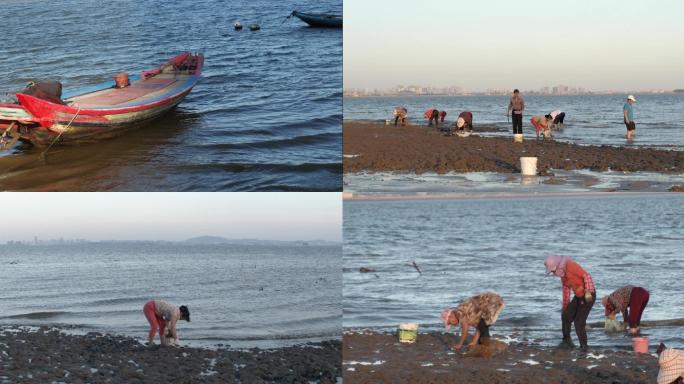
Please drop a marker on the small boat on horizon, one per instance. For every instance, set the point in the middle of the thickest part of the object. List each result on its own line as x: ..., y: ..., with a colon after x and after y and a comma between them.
x: 319, y: 20
x: 104, y: 110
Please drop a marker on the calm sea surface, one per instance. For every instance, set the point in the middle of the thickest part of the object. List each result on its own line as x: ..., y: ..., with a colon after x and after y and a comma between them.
x: 589, y: 119
x: 244, y: 296
x: 469, y: 246
x: 266, y: 116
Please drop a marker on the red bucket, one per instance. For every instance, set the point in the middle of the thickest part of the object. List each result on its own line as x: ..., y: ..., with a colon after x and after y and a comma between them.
x: 640, y: 344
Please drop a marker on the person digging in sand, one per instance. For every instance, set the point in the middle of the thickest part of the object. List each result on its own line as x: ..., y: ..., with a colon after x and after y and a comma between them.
x: 671, y: 363
x: 432, y: 114
x: 480, y: 311
x: 400, y: 114
x: 542, y: 124
x: 464, y: 122
x: 163, y: 317
x: 631, y: 302
x: 442, y: 116
x: 558, y: 118
x: 573, y: 278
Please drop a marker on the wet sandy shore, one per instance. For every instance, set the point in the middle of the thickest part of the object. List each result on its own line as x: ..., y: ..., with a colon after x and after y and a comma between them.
x: 418, y: 149
x: 47, y: 355
x: 380, y: 358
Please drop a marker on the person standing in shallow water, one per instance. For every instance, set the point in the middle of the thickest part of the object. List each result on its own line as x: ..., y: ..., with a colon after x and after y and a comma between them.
x: 516, y: 106
x: 573, y: 278
x: 479, y: 311
x: 163, y: 317
x: 628, y: 114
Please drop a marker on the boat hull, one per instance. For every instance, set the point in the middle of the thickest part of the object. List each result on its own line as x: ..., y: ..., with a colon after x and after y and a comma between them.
x: 88, y: 129
x: 319, y: 21
x: 107, y: 112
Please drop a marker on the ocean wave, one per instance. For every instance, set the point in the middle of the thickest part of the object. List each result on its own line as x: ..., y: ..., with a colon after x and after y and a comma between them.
x: 294, y: 336
x: 42, y: 315
x: 280, y: 143
x: 267, y: 167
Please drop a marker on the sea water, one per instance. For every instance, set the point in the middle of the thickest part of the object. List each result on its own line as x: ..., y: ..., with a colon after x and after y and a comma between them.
x: 240, y: 295
x: 499, y: 244
x: 265, y: 116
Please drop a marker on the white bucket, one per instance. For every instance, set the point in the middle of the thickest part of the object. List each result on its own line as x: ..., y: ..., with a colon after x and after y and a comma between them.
x: 408, y: 332
x: 387, y: 122
x: 518, y: 137
x: 528, y: 166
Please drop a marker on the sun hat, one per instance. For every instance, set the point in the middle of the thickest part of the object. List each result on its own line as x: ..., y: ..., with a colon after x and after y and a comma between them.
x: 446, y: 312
x: 671, y: 363
x: 460, y: 122
x: 556, y: 265
x: 631, y: 97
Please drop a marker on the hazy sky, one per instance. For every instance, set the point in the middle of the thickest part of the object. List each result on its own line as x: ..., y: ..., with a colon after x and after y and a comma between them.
x: 598, y: 45
x: 172, y: 216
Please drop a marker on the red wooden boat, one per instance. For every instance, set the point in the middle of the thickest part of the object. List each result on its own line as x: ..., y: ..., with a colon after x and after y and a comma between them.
x: 105, y: 111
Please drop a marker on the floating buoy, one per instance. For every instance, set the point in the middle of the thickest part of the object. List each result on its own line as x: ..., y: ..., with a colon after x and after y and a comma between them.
x: 254, y: 27
x: 237, y: 26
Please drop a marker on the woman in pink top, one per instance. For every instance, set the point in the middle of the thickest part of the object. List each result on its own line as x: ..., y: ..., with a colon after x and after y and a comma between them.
x: 163, y: 317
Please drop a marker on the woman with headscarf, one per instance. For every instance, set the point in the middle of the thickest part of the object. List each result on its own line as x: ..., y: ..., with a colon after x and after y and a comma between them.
x: 479, y: 311
x: 630, y: 301
x: 163, y: 317
x: 573, y: 279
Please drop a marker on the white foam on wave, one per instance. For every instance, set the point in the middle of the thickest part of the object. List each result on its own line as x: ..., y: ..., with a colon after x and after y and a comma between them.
x: 530, y: 362
x: 597, y: 357
x: 354, y: 362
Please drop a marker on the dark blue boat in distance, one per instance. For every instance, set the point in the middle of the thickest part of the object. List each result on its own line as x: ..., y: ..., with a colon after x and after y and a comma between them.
x: 319, y: 20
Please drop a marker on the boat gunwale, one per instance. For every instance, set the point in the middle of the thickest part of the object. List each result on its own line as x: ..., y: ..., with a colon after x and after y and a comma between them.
x: 27, y: 101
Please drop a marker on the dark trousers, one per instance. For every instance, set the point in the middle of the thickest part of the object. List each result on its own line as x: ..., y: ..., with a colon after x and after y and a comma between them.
x: 560, y: 118
x: 577, y: 312
x: 483, y: 328
x: 517, y: 122
x: 435, y: 117
x: 637, y: 303
x: 396, y: 120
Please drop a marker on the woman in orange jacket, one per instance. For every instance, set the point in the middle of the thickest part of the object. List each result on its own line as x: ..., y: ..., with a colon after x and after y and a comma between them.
x: 573, y: 278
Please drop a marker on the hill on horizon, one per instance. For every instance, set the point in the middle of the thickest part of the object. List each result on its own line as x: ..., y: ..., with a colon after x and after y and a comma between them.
x: 223, y: 240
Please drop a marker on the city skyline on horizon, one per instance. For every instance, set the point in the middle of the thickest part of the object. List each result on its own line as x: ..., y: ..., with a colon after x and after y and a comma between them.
x: 546, y: 89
